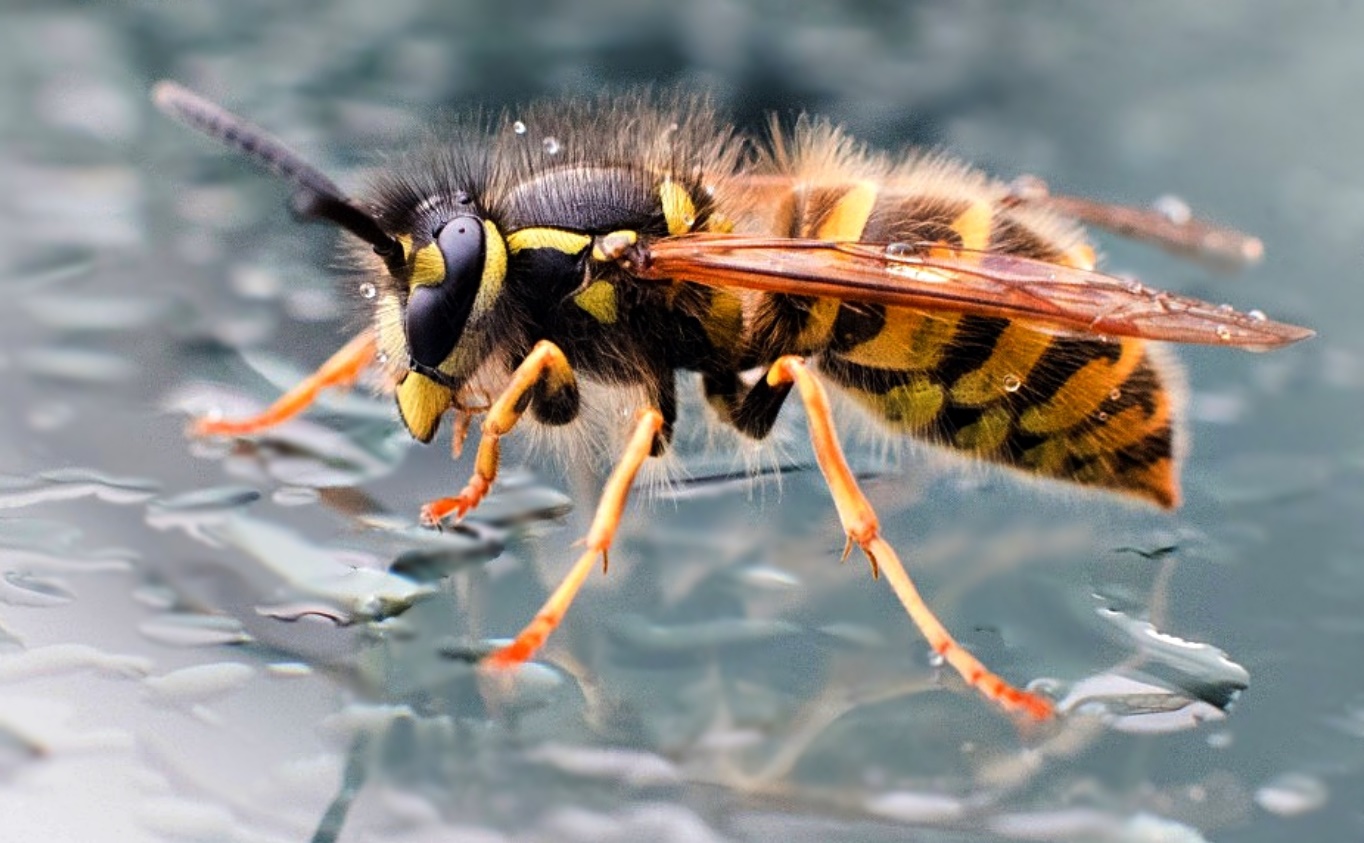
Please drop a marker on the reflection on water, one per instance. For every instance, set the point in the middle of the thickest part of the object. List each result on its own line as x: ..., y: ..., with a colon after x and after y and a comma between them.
x: 253, y: 640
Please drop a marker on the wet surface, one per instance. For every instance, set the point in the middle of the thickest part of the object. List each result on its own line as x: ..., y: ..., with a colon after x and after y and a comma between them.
x: 254, y: 640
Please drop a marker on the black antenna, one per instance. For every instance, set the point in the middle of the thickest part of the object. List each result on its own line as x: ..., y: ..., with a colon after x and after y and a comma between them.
x: 315, y: 196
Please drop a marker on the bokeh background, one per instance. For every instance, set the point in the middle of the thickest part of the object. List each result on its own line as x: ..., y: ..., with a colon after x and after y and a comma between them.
x: 252, y: 641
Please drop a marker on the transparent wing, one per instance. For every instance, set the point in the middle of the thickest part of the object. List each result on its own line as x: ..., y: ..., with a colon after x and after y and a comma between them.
x: 928, y: 277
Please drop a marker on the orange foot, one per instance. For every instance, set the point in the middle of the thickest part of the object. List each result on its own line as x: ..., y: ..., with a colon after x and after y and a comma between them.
x: 472, y: 495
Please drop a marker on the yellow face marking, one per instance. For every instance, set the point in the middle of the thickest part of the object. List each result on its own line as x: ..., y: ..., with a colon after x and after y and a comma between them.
x: 1016, y: 352
x: 599, y: 301
x: 428, y: 266
x: 973, y: 226
x: 568, y: 242
x: 909, y: 341
x: 421, y: 403
x: 1082, y: 393
x: 986, y: 434
x: 679, y: 212
x: 494, y: 269
x: 849, y: 214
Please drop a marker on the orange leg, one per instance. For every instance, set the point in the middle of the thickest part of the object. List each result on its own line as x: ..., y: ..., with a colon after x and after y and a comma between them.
x: 860, y: 523
x: 544, y: 361
x: 342, y: 369
x: 598, y: 541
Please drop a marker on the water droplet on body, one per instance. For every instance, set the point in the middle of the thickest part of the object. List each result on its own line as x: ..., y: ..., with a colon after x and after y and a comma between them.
x: 1257, y: 316
x: 1012, y: 383
x: 1223, y: 333
x: 368, y: 290
x: 551, y: 145
x: 519, y: 127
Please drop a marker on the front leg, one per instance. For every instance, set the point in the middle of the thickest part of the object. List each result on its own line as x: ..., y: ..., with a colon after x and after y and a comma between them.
x: 544, y: 382
x: 341, y: 370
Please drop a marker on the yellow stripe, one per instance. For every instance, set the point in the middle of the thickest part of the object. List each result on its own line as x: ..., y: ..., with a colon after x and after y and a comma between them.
x: 1125, y: 428
x: 909, y: 341
x: 849, y: 215
x: 1048, y: 458
x: 912, y: 406
x: 973, y: 226
x: 599, y: 301
x: 986, y: 434
x: 1083, y: 393
x: 819, y: 324
x: 1015, y: 353
x: 724, y: 322
x: 568, y: 242
x: 679, y: 212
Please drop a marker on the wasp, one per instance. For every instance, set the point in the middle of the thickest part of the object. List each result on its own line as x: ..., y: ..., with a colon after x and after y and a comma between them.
x: 629, y: 239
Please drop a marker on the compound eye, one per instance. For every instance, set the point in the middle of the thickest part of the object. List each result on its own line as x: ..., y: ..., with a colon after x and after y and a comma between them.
x: 461, y: 244
x: 436, y: 313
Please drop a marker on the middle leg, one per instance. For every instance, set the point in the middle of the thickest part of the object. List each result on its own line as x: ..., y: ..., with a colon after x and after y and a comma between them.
x: 598, y: 541
x: 862, y: 528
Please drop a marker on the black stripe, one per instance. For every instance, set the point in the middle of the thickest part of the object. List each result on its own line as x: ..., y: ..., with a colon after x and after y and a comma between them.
x: 1058, y: 364
x: 1009, y: 236
x: 914, y: 219
x: 1139, y: 390
x: 855, y: 324
x: 954, y: 418
x: 1152, y: 449
x: 972, y: 344
x: 862, y: 378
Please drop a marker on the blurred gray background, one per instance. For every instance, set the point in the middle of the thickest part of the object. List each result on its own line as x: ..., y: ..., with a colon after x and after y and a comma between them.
x: 189, y: 655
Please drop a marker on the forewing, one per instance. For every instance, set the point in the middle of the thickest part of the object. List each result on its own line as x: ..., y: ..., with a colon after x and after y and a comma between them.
x: 932, y: 278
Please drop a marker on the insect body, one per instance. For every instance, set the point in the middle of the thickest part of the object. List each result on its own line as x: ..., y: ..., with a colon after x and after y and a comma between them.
x: 626, y: 241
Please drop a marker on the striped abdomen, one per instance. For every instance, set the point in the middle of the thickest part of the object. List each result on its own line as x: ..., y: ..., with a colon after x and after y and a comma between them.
x: 1089, y: 410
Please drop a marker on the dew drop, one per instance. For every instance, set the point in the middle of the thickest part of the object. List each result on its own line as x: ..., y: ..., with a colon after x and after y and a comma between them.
x: 551, y: 145
x: 519, y: 127
x: 1174, y: 209
x: 1257, y: 316
x: 1223, y: 333
x: 1114, y: 394
x: 1012, y: 383
x: 382, y: 358
x: 1225, y: 308
x: 900, y: 251
x: 368, y: 290
x: 1101, y: 416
